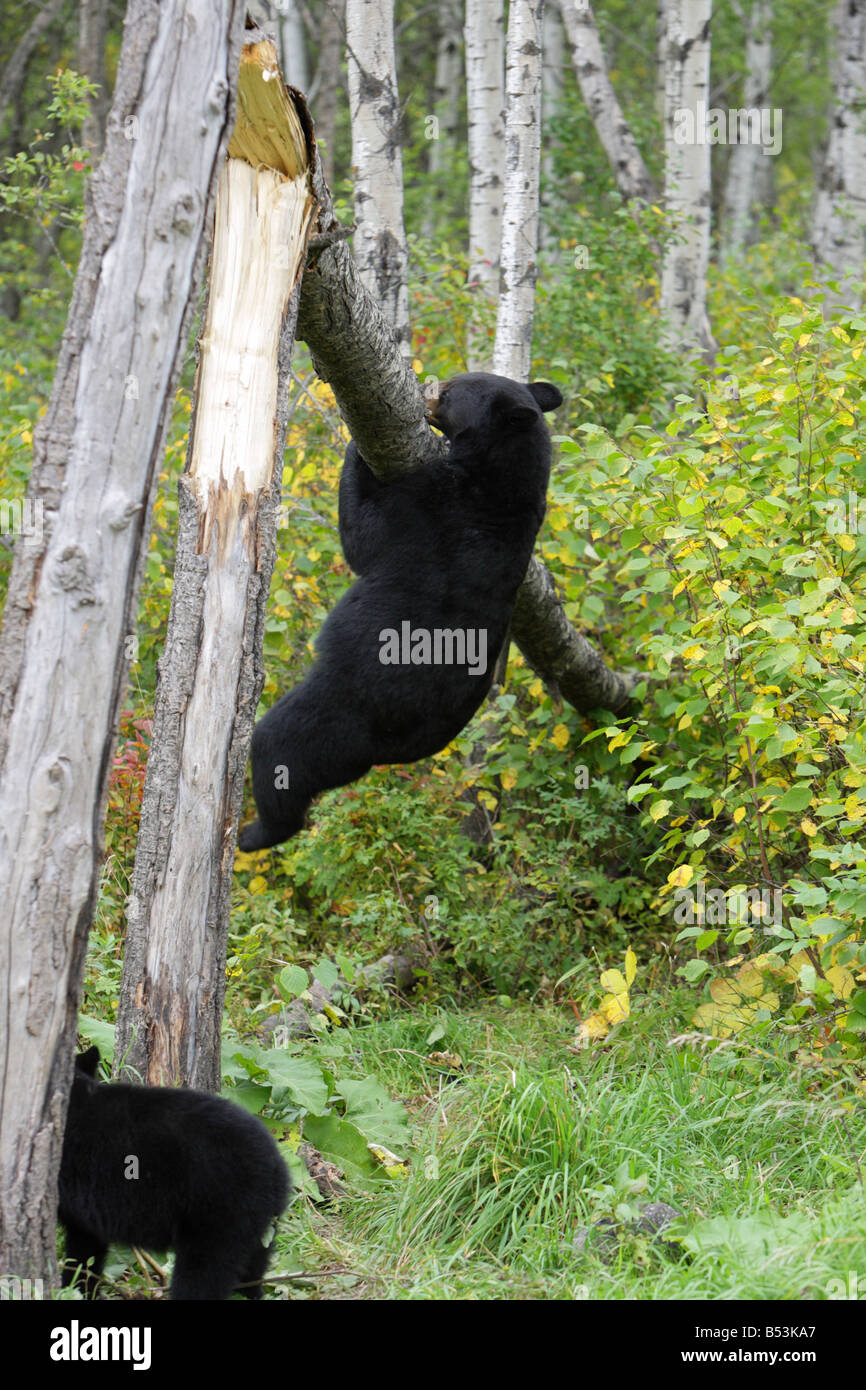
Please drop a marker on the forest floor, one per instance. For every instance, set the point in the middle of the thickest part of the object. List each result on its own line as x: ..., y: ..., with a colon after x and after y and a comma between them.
x: 530, y: 1143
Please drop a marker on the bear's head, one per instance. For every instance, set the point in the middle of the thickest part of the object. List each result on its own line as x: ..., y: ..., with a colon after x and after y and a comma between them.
x: 487, y: 409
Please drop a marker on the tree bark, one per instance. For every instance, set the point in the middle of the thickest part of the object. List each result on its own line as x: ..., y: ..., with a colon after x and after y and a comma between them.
x: 839, y: 224
x: 211, y: 675
x: 485, y: 106
x: 73, y: 594
x: 746, y: 160
x: 687, y: 177
x: 377, y: 162
x: 512, y: 352
x: 355, y: 351
x: 629, y: 170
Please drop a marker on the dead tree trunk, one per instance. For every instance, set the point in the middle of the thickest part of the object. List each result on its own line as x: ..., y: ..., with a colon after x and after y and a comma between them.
x: 73, y: 593
x: 210, y: 676
x: 355, y: 351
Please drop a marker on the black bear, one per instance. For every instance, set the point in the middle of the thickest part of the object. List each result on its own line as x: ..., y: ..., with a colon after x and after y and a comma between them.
x: 409, y: 653
x: 168, y: 1170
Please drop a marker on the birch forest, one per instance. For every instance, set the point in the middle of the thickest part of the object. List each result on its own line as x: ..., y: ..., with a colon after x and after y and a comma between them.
x: 432, y: 654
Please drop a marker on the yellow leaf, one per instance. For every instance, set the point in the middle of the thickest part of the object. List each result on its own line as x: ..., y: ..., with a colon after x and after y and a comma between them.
x: 536, y: 689
x: 739, y: 814
x: 614, y: 981
x: 258, y: 884
x: 596, y: 1026
x: 804, y: 339
x: 615, y: 1007
x: 630, y: 966
x: 808, y: 827
x: 685, y: 722
x: 659, y: 809
x: 509, y: 778
x: 681, y: 877
x: 847, y: 542
x: 841, y: 979
x: 560, y: 736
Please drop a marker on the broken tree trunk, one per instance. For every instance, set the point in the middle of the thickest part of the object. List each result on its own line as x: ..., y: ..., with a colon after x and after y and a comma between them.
x: 73, y: 593
x: 355, y: 351
x: 210, y: 676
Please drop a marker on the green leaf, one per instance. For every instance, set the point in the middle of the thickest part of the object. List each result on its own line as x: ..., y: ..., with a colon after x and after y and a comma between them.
x: 369, y: 1107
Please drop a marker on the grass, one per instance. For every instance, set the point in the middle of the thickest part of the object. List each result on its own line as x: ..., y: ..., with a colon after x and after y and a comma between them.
x: 530, y: 1143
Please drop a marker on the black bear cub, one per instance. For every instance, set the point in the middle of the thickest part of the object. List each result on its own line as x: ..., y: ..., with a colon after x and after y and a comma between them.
x: 409, y: 653
x: 168, y: 1170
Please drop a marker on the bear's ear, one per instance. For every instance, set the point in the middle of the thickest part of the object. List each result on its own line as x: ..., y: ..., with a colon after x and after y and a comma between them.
x: 88, y: 1061
x: 548, y: 397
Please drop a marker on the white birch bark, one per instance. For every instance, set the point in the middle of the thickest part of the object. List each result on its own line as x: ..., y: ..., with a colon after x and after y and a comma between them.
x: 72, y: 600
x: 614, y: 132
x: 512, y: 354
x: 485, y: 106
x: 552, y: 80
x: 839, y: 223
x: 745, y: 184
x: 687, y: 177
x: 380, y: 239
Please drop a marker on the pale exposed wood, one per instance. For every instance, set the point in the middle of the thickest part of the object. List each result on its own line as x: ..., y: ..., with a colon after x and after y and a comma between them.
x: 72, y: 597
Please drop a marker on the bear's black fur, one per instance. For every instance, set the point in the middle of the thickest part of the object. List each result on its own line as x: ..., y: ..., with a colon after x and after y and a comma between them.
x: 211, y: 1181
x: 443, y: 548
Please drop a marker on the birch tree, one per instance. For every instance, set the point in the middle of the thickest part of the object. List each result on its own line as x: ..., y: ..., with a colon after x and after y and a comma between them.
x: 211, y: 674
x: 745, y: 181
x: 553, y: 69
x: 72, y: 599
x: 512, y: 355
x: 630, y: 171
x: 687, y: 176
x: 377, y: 163
x: 839, y: 223
x: 485, y: 103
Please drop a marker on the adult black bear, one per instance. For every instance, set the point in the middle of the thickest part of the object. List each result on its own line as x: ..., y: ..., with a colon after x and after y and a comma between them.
x: 168, y: 1170
x: 409, y: 652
